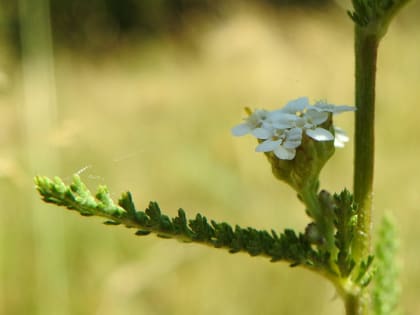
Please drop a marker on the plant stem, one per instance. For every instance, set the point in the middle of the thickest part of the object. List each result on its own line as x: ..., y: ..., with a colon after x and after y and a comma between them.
x: 353, y: 305
x: 322, y: 220
x: 366, y: 47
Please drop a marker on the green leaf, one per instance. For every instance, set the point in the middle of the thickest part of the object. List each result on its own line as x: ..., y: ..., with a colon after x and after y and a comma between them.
x: 345, y: 223
x: 365, y: 272
x: 287, y: 246
x: 386, y: 288
x: 375, y: 15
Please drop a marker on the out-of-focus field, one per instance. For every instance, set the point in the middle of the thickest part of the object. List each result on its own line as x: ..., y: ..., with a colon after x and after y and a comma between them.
x: 154, y: 118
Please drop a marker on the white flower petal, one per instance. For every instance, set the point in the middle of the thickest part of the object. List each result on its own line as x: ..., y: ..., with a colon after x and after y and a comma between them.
x: 258, y: 115
x: 338, y: 143
x: 292, y: 144
x: 284, y: 153
x: 296, y: 105
x: 257, y: 118
x: 344, y: 108
x: 320, y: 134
x: 241, y: 130
x: 315, y: 117
x: 300, y: 122
x: 283, y: 124
x: 340, y: 133
x: 293, y: 138
x: 325, y: 107
x: 282, y: 120
x: 262, y: 133
x: 340, y: 137
x: 268, y: 145
x: 295, y: 133
x: 277, y: 113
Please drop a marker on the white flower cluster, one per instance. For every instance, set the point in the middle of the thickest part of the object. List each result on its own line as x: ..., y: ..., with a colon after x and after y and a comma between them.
x: 280, y: 131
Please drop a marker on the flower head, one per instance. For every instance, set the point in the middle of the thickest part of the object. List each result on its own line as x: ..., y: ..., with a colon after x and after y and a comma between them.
x: 280, y: 131
x: 297, y: 139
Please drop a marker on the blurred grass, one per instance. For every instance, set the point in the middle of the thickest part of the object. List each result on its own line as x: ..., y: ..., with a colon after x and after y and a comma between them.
x: 155, y: 118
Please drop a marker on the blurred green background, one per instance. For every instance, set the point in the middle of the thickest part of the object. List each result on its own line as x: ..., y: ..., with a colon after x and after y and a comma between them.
x: 141, y: 95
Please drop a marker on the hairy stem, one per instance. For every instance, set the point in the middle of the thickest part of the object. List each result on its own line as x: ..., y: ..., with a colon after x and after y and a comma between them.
x: 366, y: 47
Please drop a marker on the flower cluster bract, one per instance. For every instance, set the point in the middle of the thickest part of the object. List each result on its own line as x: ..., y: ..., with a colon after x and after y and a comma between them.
x: 281, y: 131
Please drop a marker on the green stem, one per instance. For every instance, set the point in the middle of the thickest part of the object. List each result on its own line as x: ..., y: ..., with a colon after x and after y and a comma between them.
x: 310, y: 199
x: 353, y: 305
x: 366, y: 46
x: 372, y: 18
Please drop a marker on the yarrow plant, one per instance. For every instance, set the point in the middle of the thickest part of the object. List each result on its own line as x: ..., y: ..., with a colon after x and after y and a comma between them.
x: 297, y: 140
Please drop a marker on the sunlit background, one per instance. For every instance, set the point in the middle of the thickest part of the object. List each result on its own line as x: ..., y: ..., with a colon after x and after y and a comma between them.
x: 141, y: 95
